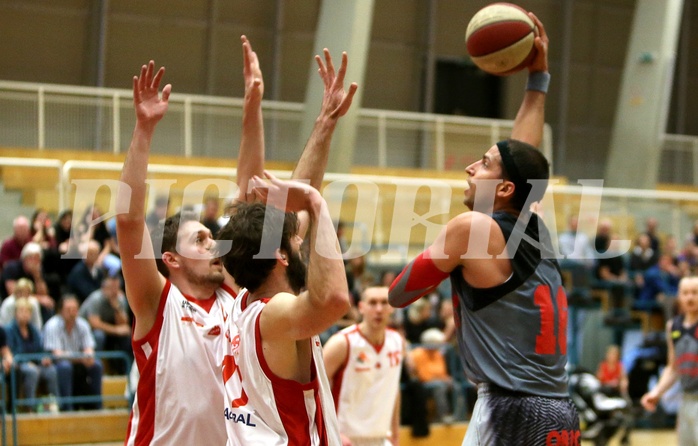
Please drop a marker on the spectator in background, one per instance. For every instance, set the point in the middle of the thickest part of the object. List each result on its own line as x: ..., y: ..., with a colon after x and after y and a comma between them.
x: 642, y: 257
x: 24, y: 338
x: 69, y: 339
x: 687, y: 258
x: 661, y: 285
x: 24, y: 289
x: 418, y: 320
x: 66, y: 244
x: 614, y: 380
x: 603, y: 235
x: 158, y: 214
x: 652, y: 231
x: 29, y: 266
x: 106, y: 310
x: 94, y: 227
x: 210, y: 215
x: 5, y: 353
x: 42, y: 231
x: 86, y: 276
x: 428, y: 364
x: 575, y: 245
x: 12, y: 247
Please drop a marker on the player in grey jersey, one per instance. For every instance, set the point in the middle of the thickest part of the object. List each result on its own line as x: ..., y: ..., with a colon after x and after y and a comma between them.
x: 509, y: 305
x: 682, y: 363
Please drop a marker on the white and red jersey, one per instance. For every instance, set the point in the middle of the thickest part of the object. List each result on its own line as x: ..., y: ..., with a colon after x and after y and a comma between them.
x: 179, y: 398
x: 365, y: 387
x: 263, y: 409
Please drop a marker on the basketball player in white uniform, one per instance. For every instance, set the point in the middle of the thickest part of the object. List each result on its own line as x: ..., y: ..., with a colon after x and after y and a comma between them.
x: 181, y: 304
x: 363, y: 363
x: 277, y: 391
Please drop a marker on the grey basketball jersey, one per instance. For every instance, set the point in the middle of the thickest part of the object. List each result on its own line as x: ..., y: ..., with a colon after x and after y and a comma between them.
x: 685, y: 341
x: 514, y: 335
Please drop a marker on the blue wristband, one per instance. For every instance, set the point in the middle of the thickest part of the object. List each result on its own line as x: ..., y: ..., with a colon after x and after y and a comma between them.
x: 538, y: 81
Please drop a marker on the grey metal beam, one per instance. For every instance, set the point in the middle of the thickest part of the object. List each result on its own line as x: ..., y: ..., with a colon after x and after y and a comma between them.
x: 343, y: 25
x: 645, y: 94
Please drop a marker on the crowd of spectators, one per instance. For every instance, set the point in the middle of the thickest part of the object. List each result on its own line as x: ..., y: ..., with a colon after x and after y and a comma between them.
x: 62, y: 300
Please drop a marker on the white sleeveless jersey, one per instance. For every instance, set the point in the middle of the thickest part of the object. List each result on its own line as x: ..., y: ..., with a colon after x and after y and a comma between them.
x: 263, y: 409
x: 179, y: 398
x: 365, y: 388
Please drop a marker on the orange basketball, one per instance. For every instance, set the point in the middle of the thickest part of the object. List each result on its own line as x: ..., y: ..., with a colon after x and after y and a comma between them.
x: 499, y: 39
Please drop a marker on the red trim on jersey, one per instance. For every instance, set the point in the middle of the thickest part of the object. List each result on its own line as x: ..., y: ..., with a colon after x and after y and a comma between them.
x: 229, y: 290
x: 423, y: 277
x: 377, y: 348
x: 206, y: 304
x: 339, y: 375
x: 145, y: 392
x: 290, y: 399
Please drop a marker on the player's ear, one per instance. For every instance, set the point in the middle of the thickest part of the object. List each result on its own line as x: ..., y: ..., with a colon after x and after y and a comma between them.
x: 171, y: 260
x: 281, y: 256
x: 505, y: 189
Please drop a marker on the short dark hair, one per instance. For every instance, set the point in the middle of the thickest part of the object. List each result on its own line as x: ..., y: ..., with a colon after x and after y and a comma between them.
x: 167, y: 233
x: 531, y: 165
x: 245, y: 228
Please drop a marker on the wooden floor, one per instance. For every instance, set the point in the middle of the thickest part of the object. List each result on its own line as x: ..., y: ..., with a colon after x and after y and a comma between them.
x: 440, y: 435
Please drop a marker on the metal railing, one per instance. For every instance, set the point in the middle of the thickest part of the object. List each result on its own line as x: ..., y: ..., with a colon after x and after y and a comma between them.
x: 102, y: 119
x: 31, y: 402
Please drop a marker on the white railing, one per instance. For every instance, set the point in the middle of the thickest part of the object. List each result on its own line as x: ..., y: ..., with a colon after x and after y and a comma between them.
x: 101, y: 119
x: 380, y: 207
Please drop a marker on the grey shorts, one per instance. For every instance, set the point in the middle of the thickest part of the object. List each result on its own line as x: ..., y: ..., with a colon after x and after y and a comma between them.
x: 509, y: 418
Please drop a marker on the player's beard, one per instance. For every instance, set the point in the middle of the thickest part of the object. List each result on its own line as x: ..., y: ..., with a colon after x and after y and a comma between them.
x: 296, y: 272
x: 212, y: 278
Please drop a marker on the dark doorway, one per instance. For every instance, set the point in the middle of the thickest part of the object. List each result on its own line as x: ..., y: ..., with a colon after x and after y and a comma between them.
x: 463, y: 89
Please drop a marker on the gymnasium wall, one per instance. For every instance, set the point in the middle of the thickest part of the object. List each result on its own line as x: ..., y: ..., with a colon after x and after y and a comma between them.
x: 198, y: 42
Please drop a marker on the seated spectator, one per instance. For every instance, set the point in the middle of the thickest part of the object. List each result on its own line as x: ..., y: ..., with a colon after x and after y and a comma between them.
x: 575, y: 245
x: 23, y: 289
x: 86, y: 276
x: 29, y: 266
x: 92, y: 226
x: 661, y: 286
x: 429, y: 365
x: 642, y: 257
x: 42, y: 231
x: 418, y: 319
x: 12, y: 247
x: 106, y: 310
x: 614, y: 380
x: 69, y: 338
x: 66, y: 244
x: 23, y: 337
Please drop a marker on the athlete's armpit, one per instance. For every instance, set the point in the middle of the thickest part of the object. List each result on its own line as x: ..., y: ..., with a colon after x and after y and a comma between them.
x: 420, y: 277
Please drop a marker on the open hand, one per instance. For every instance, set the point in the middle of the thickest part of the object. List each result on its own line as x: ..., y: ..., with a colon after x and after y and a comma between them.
x: 254, y: 83
x: 150, y: 108
x: 335, y: 101
x: 287, y: 195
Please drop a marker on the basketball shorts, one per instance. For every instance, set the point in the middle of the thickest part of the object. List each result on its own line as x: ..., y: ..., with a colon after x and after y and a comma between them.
x: 505, y: 418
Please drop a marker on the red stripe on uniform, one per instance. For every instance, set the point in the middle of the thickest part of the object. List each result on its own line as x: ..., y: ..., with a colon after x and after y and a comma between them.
x: 145, y: 393
x: 290, y: 400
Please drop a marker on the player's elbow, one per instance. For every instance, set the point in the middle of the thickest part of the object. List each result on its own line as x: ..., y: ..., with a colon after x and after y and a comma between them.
x: 340, y: 302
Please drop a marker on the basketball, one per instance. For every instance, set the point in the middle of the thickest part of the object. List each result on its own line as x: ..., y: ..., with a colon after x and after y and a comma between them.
x: 499, y: 39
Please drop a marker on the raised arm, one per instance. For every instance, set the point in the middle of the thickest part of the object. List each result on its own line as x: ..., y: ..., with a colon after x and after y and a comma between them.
x: 251, y: 154
x: 530, y: 119
x: 335, y: 104
x: 143, y: 282
x: 288, y: 317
